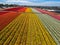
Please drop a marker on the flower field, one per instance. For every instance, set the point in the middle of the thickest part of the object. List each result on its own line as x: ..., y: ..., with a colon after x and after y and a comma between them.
x: 29, y: 26
x: 53, y: 14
